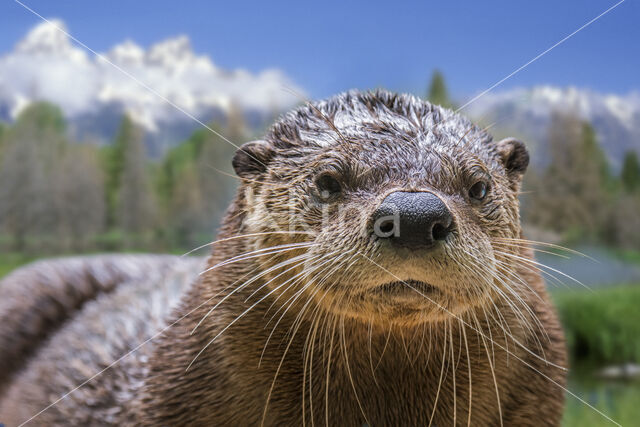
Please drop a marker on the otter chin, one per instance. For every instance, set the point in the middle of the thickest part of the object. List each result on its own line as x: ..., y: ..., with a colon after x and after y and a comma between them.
x: 371, y: 270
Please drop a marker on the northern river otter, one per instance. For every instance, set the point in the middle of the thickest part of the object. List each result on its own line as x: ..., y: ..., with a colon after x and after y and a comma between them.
x: 370, y: 270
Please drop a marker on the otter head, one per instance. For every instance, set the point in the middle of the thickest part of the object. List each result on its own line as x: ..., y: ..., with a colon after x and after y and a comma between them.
x: 382, y: 207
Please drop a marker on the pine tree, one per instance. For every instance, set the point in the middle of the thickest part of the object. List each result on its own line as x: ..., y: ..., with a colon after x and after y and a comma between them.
x: 135, y: 202
x: 34, y: 147
x: 438, y: 93
x: 113, y: 163
x: 630, y: 175
x: 3, y: 130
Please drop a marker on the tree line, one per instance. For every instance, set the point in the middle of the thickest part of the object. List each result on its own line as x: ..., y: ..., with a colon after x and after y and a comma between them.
x: 58, y: 195
x: 62, y: 195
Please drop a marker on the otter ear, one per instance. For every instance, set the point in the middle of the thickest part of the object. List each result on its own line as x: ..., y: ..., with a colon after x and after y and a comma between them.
x: 252, y: 158
x: 514, y: 156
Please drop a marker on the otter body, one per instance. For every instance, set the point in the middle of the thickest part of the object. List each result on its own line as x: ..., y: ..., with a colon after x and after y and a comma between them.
x: 371, y: 270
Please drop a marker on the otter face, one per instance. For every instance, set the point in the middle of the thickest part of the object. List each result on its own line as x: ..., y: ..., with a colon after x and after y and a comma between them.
x: 401, y: 203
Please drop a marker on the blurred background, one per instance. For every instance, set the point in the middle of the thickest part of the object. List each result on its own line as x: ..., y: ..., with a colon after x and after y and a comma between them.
x: 118, y: 121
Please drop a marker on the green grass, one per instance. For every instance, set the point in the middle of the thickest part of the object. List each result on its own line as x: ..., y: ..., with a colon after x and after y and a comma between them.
x: 11, y: 261
x: 602, y: 326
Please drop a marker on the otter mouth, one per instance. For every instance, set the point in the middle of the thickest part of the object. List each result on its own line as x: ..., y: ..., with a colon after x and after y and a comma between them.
x: 407, y: 287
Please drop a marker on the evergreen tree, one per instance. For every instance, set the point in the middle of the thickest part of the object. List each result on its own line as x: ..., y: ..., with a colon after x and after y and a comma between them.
x: 437, y: 93
x: 114, y: 161
x: 135, y: 202
x: 630, y: 175
x: 80, y: 196
x: 3, y: 130
x: 192, y: 188
x: 34, y: 147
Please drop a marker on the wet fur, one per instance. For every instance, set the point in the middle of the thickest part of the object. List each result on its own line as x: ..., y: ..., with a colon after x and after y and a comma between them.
x: 339, y: 347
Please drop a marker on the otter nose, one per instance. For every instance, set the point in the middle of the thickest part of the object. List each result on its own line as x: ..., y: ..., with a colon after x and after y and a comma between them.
x: 412, y: 220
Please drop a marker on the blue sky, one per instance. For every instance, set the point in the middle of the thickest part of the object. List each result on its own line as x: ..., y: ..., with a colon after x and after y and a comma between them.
x: 330, y: 46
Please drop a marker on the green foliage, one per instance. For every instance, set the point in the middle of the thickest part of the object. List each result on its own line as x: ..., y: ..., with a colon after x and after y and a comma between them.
x: 191, y: 186
x: 113, y: 159
x: 602, y: 326
x: 47, y: 184
x: 11, y: 261
x: 437, y: 93
x: 593, y: 158
x: 630, y: 175
x: 3, y: 131
x: 177, y: 159
x: 573, y: 194
x: 41, y: 117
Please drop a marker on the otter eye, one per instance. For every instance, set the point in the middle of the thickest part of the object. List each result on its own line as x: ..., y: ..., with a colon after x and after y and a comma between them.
x: 478, y: 191
x: 328, y: 186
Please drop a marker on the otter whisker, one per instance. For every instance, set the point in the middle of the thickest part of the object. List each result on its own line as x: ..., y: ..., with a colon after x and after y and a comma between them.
x: 242, y: 236
x: 553, y: 279
x: 303, y: 258
x: 373, y: 373
x: 539, y: 264
x: 260, y: 252
x: 305, y: 273
x: 326, y: 315
x: 384, y: 348
x: 233, y: 322
x: 246, y: 283
x: 266, y: 344
x: 550, y: 245
x: 275, y: 377
x: 228, y: 287
x: 492, y: 286
x: 309, y: 354
x: 451, y: 314
x: 404, y: 348
x: 328, y: 372
x: 502, y: 324
x: 535, y: 318
x: 511, y: 245
x: 506, y: 333
x: 517, y: 311
x: 453, y: 369
x: 346, y: 360
x: 508, y: 272
x: 289, y: 302
x: 493, y: 373
x: 466, y: 346
x: 320, y: 283
x: 435, y: 403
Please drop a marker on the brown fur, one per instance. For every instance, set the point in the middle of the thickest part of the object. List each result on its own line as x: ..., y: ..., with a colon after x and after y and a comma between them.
x: 333, y: 348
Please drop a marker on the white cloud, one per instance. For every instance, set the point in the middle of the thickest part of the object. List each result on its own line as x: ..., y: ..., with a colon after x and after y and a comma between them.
x: 46, y: 65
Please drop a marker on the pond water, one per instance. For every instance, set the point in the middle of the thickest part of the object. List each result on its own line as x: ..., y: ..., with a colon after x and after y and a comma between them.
x: 617, y: 399
x: 598, y: 268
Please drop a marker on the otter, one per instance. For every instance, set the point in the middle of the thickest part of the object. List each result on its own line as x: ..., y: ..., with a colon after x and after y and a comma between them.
x: 371, y: 270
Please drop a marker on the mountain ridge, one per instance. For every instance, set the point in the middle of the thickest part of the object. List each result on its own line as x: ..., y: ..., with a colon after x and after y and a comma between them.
x: 45, y: 65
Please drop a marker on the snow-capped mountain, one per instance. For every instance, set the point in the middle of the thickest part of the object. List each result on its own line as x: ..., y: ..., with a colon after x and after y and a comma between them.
x: 94, y: 91
x: 527, y: 112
